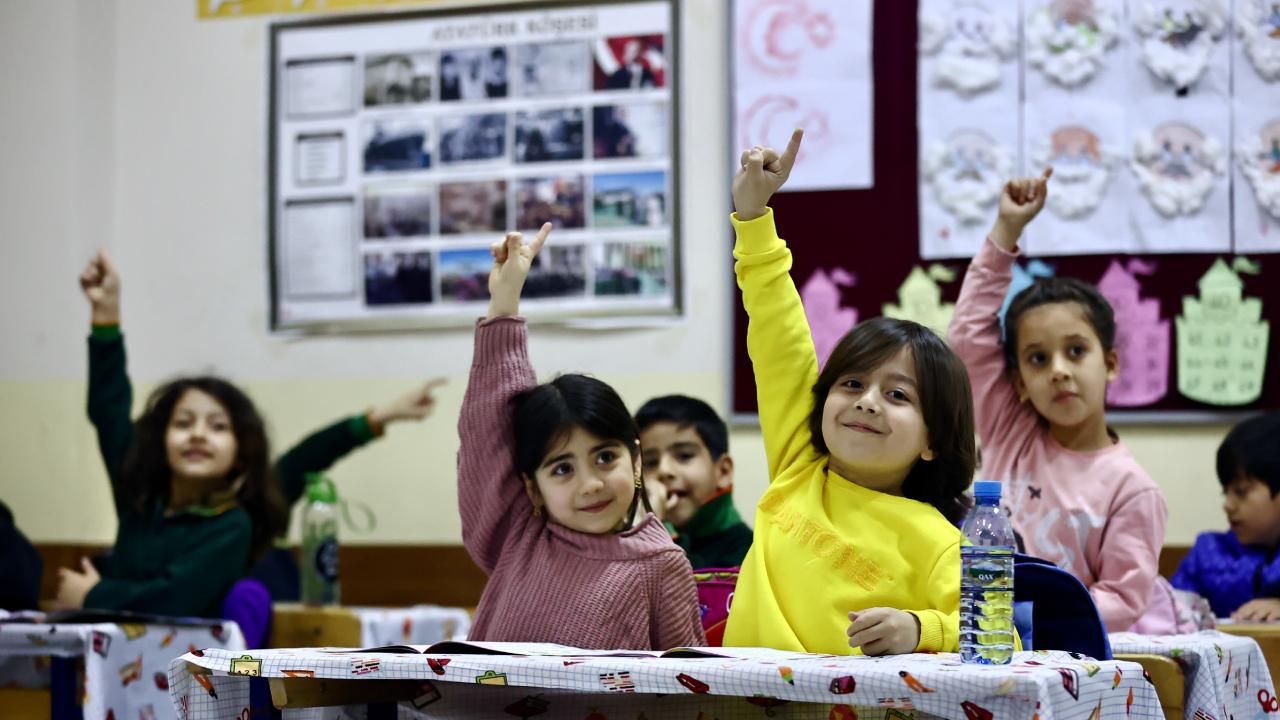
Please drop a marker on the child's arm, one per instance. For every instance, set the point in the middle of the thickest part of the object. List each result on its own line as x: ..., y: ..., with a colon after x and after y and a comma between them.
x: 678, y: 618
x: 321, y: 449
x: 975, y: 330
x: 778, y: 337
x: 1129, y: 559
x: 890, y: 631
x: 110, y: 397
x: 491, y: 496
x: 216, y: 555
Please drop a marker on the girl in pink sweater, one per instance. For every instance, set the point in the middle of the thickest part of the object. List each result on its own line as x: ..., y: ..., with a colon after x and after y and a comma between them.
x: 1073, y: 490
x: 549, y: 489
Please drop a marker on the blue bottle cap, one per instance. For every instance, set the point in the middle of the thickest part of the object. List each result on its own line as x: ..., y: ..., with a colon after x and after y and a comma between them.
x: 986, y: 489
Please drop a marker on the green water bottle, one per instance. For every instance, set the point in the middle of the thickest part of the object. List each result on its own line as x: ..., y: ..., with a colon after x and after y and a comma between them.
x: 320, y: 542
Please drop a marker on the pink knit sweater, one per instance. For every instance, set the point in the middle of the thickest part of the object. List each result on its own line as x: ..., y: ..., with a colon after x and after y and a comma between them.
x: 632, y: 590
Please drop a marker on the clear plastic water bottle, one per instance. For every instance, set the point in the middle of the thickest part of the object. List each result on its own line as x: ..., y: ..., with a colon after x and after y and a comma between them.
x: 986, y: 580
x: 320, y: 542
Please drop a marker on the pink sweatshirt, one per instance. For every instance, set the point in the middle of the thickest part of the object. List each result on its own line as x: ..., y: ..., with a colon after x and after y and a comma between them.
x: 632, y: 590
x: 1095, y: 514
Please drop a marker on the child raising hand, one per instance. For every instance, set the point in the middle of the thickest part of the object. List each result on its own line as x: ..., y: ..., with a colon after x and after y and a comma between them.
x: 550, y: 493
x: 1073, y: 490
x: 855, y: 538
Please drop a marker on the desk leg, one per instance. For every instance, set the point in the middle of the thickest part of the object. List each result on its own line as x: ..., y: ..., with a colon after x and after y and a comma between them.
x: 64, y: 689
x: 260, y: 705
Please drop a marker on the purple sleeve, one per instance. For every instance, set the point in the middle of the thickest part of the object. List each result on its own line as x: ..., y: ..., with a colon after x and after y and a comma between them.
x: 491, y: 496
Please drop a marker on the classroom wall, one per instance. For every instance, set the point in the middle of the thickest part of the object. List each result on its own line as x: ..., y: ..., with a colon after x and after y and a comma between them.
x: 130, y: 124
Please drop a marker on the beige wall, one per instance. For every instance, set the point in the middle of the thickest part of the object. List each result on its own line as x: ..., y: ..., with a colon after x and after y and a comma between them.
x: 128, y: 123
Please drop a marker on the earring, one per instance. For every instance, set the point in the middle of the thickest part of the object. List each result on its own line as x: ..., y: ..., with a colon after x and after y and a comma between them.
x: 537, y: 511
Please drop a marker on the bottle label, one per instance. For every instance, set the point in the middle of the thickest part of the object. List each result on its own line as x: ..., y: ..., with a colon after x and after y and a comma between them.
x: 326, y: 559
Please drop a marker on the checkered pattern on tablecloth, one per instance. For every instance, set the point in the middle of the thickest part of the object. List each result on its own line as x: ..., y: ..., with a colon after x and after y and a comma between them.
x: 1047, y: 685
x: 1226, y: 675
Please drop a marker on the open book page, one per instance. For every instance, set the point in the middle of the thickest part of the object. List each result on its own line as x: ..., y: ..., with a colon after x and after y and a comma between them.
x: 455, y: 647
x: 746, y: 653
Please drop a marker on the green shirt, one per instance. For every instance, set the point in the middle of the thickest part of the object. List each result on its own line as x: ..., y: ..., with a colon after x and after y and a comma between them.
x: 182, y: 562
x: 715, y: 537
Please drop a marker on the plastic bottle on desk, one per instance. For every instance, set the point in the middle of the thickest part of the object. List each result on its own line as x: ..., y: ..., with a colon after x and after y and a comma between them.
x: 320, y: 542
x: 986, y: 580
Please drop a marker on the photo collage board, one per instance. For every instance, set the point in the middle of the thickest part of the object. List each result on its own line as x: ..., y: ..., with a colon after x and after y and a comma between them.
x: 404, y: 146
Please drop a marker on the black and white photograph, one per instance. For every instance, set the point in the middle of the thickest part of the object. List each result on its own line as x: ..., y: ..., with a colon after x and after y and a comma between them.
x: 474, y: 74
x: 558, y: 271
x: 397, y: 145
x: 560, y: 201
x: 397, y: 278
x: 636, y: 269
x: 473, y: 207
x: 398, y: 78
x: 464, y: 275
x: 636, y: 199
x: 630, y: 62
x: 634, y: 130
x: 550, y: 135
x: 398, y: 211
x: 473, y: 138
x: 553, y: 68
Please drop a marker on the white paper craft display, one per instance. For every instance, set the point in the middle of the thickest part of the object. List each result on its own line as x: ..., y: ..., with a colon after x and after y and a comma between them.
x: 1259, y: 160
x: 970, y: 41
x: 1178, y: 38
x: 1258, y: 23
x: 1068, y: 40
x: 1177, y: 166
x: 1081, y: 170
x: 967, y: 174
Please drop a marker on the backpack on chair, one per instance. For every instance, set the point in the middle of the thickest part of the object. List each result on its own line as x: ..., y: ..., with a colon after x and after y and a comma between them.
x: 715, y: 595
x: 1062, y: 615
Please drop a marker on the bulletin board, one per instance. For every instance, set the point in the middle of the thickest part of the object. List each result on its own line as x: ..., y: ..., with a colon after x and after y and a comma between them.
x: 403, y: 145
x: 1175, y: 310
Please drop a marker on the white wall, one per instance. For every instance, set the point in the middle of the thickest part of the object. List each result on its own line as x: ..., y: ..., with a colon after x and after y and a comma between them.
x: 131, y: 124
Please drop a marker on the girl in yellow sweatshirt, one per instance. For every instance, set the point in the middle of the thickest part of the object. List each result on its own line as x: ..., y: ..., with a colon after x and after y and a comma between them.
x: 856, y: 544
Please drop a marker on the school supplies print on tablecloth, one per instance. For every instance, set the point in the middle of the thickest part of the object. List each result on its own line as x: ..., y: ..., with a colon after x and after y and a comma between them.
x: 1222, y: 338
x: 723, y: 682
x: 1226, y: 675
x: 126, y: 666
x: 920, y: 298
x: 1143, y: 338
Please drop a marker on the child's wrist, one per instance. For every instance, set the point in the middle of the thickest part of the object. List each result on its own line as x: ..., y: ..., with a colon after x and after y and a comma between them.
x: 752, y: 213
x: 104, y: 316
x: 1006, y: 233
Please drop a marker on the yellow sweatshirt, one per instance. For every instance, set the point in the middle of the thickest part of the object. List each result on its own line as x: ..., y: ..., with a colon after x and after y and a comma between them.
x: 823, y: 545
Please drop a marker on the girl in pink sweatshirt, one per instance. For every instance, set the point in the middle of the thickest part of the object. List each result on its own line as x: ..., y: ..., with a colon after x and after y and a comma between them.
x: 549, y: 489
x: 1073, y: 490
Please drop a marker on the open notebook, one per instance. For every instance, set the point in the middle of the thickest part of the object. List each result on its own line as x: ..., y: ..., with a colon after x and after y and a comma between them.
x: 454, y: 647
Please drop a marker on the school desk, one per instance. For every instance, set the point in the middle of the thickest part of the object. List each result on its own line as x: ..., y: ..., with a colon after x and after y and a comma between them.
x: 1226, y: 676
x: 219, y: 685
x: 296, y: 625
x: 99, y: 670
x: 1267, y: 635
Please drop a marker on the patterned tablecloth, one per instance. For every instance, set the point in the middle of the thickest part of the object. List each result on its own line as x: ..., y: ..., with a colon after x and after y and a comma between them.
x: 1226, y: 675
x: 217, y: 685
x: 125, y: 667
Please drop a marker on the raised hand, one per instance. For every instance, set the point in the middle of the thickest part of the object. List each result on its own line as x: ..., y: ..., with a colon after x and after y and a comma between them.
x: 1021, y: 201
x: 100, y: 283
x: 763, y: 172
x: 512, y: 259
x: 416, y: 404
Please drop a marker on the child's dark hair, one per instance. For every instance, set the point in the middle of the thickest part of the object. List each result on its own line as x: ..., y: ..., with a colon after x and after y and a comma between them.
x: 687, y: 411
x: 546, y: 415
x: 1051, y: 290
x: 946, y: 404
x: 1252, y: 449
x: 146, y: 474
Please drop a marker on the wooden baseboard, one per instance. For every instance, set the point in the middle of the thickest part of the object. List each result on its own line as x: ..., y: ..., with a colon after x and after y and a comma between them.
x: 398, y: 575
x: 387, y: 575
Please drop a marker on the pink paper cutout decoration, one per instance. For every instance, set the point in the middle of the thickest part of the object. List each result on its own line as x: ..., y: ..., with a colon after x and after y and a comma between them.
x: 1143, y: 339
x: 828, y: 320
